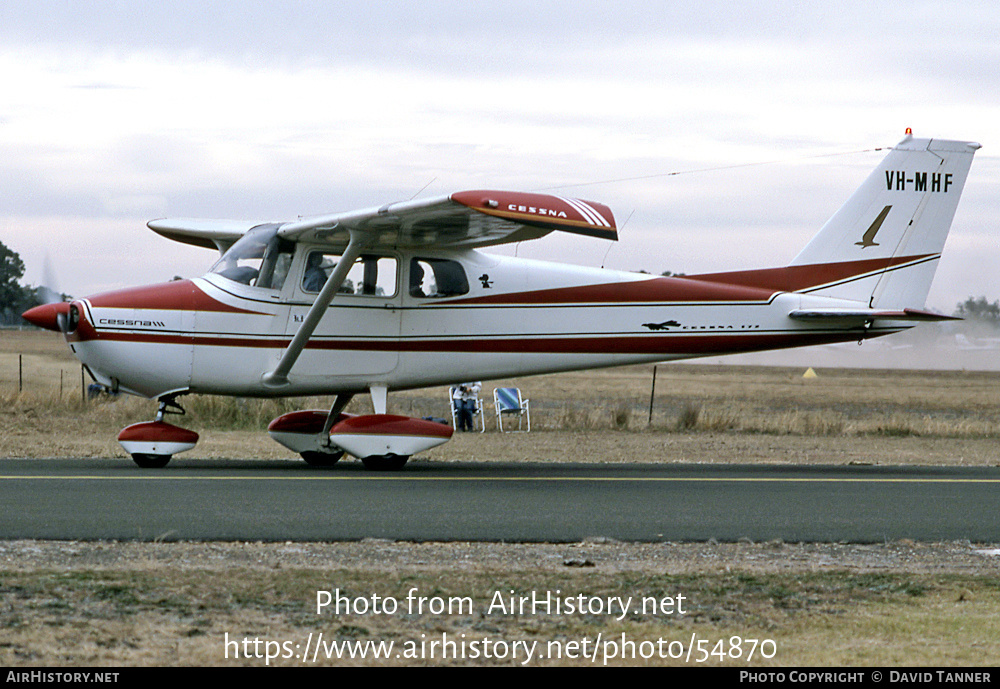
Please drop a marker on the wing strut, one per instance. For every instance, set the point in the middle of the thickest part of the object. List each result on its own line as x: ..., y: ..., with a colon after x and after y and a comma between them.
x: 279, y: 376
x: 339, y: 404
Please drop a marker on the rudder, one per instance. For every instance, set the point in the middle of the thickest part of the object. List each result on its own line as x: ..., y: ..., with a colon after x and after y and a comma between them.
x: 896, y: 223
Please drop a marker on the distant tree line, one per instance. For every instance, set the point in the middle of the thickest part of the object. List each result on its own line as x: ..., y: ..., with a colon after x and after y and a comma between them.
x: 15, y: 299
x: 980, y: 310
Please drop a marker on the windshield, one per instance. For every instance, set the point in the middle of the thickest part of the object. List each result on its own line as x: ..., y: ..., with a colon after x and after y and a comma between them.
x: 260, y: 258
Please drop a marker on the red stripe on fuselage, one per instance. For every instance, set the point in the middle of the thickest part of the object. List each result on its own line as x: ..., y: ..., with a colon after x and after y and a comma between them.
x: 178, y: 295
x: 797, y: 278
x: 654, y: 290
x: 708, y: 343
x: 739, y: 286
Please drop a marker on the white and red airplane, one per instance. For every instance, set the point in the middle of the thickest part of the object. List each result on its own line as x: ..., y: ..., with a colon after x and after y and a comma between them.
x: 400, y: 297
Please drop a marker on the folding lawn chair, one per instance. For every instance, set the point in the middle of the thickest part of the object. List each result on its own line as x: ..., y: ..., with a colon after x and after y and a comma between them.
x: 508, y: 401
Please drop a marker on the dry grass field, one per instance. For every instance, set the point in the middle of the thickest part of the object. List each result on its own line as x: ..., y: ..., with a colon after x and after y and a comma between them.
x: 700, y: 413
x: 129, y: 604
x: 896, y: 604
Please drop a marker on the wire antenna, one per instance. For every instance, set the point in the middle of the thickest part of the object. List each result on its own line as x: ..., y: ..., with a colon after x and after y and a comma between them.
x: 433, y: 180
x: 712, y: 169
x: 611, y: 244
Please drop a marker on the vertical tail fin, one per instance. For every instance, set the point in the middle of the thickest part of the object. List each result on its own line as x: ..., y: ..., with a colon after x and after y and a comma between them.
x: 895, y: 225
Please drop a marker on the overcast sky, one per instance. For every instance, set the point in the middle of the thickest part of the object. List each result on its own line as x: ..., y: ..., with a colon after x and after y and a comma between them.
x: 113, y: 113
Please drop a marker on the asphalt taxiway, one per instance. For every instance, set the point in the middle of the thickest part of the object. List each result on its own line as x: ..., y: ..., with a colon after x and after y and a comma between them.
x: 287, y: 500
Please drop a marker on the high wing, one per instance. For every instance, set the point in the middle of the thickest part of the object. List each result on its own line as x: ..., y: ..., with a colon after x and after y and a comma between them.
x: 467, y: 219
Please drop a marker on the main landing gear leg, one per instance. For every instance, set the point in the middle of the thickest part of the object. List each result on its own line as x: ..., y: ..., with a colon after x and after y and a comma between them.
x: 328, y: 455
x: 307, y: 432
x: 383, y: 442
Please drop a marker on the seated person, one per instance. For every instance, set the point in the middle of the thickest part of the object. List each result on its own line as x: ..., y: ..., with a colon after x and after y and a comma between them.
x: 416, y: 279
x: 315, y: 276
x: 465, y: 398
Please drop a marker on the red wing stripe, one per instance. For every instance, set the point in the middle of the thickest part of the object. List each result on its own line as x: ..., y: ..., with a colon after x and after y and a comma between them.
x: 589, y: 214
x: 600, y: 217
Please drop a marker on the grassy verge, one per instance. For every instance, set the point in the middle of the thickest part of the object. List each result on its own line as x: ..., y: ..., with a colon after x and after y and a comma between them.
x: 171, y: 617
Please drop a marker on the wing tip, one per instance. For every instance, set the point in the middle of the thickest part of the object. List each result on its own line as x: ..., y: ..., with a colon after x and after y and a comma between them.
x: 543, y: 210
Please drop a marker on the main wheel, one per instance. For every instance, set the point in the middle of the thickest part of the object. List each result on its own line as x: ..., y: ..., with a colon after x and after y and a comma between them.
x: 151, y: 461
x: 322, y: 459
x: 384, y: 462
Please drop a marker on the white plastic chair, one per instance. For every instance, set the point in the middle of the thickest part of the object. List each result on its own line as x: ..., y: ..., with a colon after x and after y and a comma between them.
x: 508, y: 401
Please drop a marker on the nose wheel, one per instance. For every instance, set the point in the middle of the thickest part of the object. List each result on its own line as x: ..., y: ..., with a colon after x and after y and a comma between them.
x: 151, y: 461
x: 151, y: 444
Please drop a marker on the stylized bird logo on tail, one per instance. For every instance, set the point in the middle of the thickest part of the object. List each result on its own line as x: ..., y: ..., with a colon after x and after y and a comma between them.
x: 868, y: 239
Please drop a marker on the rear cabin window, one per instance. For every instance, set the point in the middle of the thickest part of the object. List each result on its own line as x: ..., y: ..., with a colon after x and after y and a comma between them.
x: 436, y: 278
x: 370, y: 276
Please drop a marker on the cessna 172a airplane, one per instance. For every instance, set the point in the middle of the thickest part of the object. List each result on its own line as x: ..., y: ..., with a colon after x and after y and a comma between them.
x: 400, y: 297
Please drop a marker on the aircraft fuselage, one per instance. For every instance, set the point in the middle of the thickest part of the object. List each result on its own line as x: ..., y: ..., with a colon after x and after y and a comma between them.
x: 515, y: 317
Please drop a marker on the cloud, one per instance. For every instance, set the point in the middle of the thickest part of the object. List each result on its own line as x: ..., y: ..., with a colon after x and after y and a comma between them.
x: 113, y: 114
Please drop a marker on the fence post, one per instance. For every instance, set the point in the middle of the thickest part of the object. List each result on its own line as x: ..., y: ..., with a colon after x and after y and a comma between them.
x: 652, y: 394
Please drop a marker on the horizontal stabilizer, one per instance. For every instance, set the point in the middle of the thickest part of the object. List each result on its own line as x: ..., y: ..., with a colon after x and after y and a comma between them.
x: 867, y: 314
x: 211, y: 234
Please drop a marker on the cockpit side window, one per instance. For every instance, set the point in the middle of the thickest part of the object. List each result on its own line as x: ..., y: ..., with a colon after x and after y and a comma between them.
x: 260, y: 259
x: 274, y: 267
x: 370, y: 276
x: 436, y: 278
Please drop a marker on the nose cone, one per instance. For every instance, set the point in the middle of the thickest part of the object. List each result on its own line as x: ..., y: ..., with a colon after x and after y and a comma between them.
x: 48, y: 315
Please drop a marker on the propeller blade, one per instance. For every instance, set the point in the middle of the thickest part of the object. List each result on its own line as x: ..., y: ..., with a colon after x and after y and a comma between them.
x: 47, y: 294
x: 53, y: 314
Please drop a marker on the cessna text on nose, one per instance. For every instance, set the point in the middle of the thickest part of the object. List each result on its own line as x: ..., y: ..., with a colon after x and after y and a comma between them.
x: 128, y: 323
